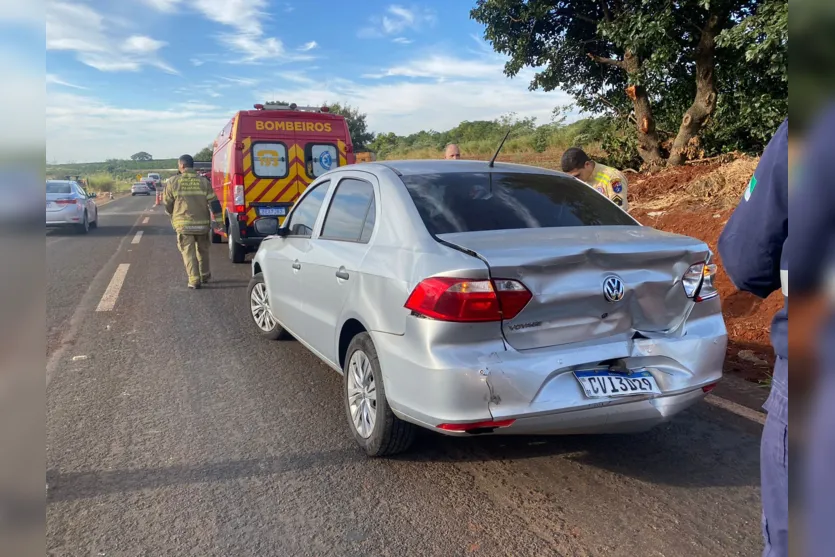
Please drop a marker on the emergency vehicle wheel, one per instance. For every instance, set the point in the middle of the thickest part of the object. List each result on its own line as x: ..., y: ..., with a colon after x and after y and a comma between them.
x: 375, y: 427
x: 259, y: 309
x: 237, y: 252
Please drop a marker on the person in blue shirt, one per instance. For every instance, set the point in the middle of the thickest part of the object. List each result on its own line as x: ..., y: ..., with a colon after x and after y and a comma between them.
x: 753, y: 252
x: 813, y: 266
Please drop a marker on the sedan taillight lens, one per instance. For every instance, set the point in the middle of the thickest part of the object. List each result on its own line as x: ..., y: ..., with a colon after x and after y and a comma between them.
x: 698, y: 282
x: 468, y: 300
x: 708, y: 289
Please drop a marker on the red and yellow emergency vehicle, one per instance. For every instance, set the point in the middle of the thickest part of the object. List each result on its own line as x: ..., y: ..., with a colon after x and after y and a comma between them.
x: 265, y: 158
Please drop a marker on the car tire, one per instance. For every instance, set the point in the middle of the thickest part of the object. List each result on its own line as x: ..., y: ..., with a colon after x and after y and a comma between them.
x: 389, y: 434
x: 84, y: 226
x: 237, y: 252
x: 267, y: 325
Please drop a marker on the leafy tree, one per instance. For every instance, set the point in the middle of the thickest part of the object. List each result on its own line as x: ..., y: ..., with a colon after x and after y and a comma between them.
x: 204, y: 154
x: 660, y: 65
x: 357, y: 126
x: 141, y: 156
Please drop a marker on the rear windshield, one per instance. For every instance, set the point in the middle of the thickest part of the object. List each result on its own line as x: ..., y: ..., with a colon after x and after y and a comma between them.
x: 471, y: 201
x: 58, y: 187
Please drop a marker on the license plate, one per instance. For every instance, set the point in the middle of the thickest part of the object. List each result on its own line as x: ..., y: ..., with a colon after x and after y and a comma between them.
x: 604, y: 384
x: 272, y: 211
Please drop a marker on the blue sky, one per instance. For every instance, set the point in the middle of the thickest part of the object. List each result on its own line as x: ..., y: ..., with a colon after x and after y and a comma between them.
x: 164, y: 76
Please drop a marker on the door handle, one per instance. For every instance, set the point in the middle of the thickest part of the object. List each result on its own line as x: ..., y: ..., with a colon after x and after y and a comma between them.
x: 296, y: 265
x: 342, y: 274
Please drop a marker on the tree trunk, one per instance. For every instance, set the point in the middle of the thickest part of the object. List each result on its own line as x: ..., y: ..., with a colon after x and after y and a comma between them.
x: 649, y: 145
x: 705, y: 102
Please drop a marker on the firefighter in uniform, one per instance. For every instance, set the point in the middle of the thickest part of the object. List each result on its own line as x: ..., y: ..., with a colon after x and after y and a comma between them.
x: 190, y: 201
x: 755, y: 254
x: 605, y: 179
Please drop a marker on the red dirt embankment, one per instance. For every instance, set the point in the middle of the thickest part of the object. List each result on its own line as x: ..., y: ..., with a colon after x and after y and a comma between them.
x: 697, y: 200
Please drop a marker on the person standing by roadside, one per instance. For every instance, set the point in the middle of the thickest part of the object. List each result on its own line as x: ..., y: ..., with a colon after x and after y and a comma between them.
x: 452, y: 152
x: 755, y: 255
x: 605, y: 179
x: 191, y: 202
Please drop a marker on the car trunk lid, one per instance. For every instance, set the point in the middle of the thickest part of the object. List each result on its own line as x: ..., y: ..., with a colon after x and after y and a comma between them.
x: 566, y: 268
x: 59, y: 201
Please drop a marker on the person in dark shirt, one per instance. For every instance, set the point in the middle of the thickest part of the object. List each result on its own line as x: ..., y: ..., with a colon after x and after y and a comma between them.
x: 812, y: 246
x: 754, y: 255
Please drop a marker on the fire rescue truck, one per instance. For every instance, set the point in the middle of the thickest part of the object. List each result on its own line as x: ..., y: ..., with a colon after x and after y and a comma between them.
x: 264, y: 159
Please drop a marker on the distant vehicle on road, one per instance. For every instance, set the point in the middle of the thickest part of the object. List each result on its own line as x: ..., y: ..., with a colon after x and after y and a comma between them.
x: 470, y: 299
x: 154, y: 177
x: 140, y: 188
x: 264, y: 159
x: 69, y: 205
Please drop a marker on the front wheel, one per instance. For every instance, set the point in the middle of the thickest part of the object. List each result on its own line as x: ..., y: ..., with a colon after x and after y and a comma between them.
x: 261, y: 312
x: 375, y: 427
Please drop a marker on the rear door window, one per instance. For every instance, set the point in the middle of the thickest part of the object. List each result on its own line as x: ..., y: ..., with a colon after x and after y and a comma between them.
x: 269, y: 160
x: 320, y: 158
x: 472, y: 201
x: 306, y: 210
x: 348, y: 211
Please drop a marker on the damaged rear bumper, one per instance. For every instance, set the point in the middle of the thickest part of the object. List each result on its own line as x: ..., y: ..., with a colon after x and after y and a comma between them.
x: 430, y: 381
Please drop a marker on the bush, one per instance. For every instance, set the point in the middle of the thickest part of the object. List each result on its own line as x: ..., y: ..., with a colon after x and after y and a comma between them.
x: 101, y: 182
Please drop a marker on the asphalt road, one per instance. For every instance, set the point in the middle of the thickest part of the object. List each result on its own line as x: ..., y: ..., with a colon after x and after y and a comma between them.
x: 173, y: 429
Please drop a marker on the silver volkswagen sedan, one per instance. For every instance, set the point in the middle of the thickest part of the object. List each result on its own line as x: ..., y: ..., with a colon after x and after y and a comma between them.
x: 472, y: 299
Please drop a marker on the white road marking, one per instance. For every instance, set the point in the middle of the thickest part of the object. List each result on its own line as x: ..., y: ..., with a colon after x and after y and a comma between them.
x: 83, y: 307
x: 108, y: 299
x: 137, y: 237
x: 737, y: 409
x: 145, y: 220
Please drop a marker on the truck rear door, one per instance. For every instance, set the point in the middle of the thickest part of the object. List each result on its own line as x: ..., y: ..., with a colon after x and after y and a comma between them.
x: 271, y: 167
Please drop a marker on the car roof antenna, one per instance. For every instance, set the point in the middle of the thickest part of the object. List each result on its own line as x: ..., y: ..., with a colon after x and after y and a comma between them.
x: 496, y: 154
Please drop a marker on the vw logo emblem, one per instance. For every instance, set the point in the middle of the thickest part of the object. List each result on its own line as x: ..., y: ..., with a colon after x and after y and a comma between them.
x: 613, y: 289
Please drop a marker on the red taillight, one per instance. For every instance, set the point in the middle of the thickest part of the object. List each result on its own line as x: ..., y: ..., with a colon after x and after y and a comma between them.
x: 476, y: 425
x: 65, y: 201
x: 708, y: 388
x: 238, y: 202
x: 467, y: 300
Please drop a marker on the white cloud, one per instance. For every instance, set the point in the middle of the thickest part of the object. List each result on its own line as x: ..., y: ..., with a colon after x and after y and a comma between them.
x: 246, y: 82
x: 402, y: 40
x: 52, y: 79
x: 84, y: 128
x: 406, y: 106
x: 443, y: 67
x: 244, y: 17
x: 79, y: 28
x: 166, y: 6
x: 396, y: 20
x: 308, y: 46
x: 141, y: 44
x: 197, y: 62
